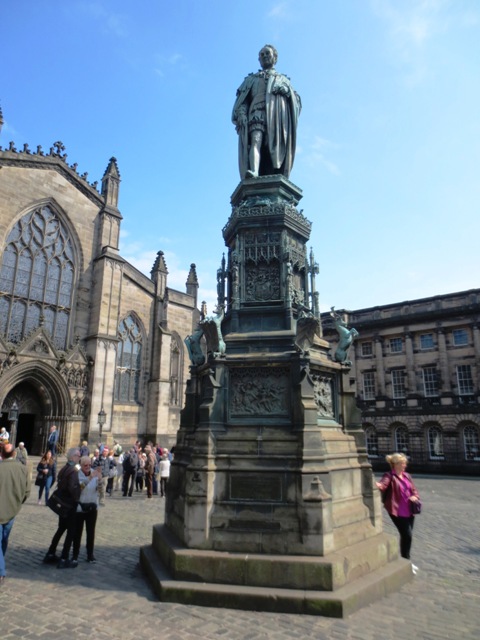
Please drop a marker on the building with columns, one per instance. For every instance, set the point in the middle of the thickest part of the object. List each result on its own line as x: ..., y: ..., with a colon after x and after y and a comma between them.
x: 84, y: 336
x: 416, y: 376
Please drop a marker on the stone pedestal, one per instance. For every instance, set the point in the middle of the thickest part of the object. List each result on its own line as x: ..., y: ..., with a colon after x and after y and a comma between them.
x: 271, y: 502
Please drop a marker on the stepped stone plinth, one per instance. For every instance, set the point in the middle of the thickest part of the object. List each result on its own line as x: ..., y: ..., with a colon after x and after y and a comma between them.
x: 271, y: 502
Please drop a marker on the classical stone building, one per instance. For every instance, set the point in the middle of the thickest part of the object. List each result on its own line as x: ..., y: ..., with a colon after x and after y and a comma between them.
x: 82, y: 331
x: 416, y: 375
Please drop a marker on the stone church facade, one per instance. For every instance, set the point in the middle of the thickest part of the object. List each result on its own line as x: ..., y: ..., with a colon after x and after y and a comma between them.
x: 416, y: 377
x: 82, y: 331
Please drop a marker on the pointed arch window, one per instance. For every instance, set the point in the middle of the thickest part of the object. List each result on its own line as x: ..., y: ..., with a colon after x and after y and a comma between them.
x: 129, y: 361
x: 176, y: 352
x: 37, y: 277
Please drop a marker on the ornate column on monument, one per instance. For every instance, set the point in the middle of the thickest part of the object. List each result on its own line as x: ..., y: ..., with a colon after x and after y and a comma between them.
x: 270, y: 505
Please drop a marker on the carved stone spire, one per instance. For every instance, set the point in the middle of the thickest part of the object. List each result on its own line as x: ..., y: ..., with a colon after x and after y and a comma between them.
x: 1, y: 119
x: 110, y: 216
x: 159, y: 274
x: 159, y: 264
x: 192, y: 282
x: 111, y: 184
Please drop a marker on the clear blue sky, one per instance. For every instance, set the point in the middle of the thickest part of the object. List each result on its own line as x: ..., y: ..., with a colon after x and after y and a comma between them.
x: 388, y: 152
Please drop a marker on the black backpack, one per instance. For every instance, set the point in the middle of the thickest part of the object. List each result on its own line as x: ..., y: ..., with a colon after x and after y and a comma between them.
x: 130, y: 462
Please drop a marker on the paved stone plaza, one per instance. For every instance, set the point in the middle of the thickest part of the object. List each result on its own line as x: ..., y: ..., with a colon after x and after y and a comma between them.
x: 112, y: 600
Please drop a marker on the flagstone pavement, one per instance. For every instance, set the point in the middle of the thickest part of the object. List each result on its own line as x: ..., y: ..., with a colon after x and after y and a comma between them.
x: 112, y: 599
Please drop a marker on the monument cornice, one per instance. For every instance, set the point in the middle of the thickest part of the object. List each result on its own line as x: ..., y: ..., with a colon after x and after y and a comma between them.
x: 274, y: 186
x: 267, y: 198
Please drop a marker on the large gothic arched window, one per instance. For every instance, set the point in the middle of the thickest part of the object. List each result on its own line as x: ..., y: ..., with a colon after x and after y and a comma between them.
x: 129, y: 361
x: 176, y: 352
x: 37, y: 278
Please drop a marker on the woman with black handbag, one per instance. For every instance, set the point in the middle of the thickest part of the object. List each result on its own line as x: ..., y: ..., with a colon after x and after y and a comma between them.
x: 401, y: 500
x: 45, y: 475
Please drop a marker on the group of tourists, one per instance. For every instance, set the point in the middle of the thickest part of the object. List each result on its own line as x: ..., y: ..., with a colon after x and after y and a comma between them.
x: 149, y: 468
x: 86, y: 479
x: 81, y: 486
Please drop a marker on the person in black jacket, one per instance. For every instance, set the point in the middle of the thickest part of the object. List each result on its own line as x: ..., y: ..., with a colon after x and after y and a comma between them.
x: 130, y: 466
x: 46, y: 470
x: 68, y: 487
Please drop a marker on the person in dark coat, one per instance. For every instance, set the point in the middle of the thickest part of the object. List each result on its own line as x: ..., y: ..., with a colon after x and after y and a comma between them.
x: 130, y: 467
x: 68, y: 487
x: 46, y: 469
x: 52, y: 440
x: 84, y: 450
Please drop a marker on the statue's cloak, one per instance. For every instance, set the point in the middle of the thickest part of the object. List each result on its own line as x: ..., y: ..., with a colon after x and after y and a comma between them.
x: 282, y: 113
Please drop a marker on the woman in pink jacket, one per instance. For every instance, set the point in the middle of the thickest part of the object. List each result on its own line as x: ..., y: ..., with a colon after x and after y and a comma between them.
x: 399, y: 493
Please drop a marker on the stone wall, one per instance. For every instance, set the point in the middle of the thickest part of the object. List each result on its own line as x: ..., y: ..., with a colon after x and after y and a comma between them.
x: 107, y: 289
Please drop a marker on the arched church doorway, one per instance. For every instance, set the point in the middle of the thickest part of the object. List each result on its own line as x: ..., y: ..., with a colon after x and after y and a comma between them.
x: 42, y: 399
x: 29, y: 427
x: 26, y: 431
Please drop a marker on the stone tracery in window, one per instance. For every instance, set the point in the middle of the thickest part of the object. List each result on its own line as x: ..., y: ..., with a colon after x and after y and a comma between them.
x: 37, y: 277
x: 129, y: 361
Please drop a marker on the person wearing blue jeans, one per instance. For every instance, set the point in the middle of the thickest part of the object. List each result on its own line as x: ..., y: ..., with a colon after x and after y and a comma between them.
x: 52, y: 440
x: 4, y: 534
x: 45, y: 475
x: 14, y: 490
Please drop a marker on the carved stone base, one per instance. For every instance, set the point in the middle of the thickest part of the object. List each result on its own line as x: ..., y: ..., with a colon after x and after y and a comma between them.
x: 335, y: 585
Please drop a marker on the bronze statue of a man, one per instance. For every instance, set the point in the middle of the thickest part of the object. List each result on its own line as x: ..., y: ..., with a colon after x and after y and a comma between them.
x: 265, y: 115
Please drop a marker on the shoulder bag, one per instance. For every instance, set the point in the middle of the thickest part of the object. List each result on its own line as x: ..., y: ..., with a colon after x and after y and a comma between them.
x: 415, y: 507
x: 59, y: 505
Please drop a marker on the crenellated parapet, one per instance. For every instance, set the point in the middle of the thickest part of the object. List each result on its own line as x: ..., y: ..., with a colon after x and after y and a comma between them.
x: 55, y: 158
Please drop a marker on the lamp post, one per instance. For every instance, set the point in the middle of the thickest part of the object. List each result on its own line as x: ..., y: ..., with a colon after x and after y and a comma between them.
x: 13, y: 417
x: 102, y: 418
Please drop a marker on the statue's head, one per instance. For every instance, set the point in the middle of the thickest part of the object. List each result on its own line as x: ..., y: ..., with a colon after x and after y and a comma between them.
x: 268, y: 56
